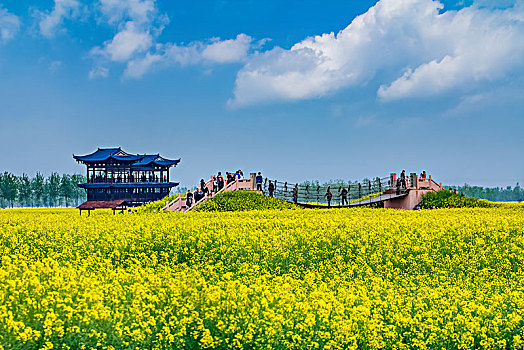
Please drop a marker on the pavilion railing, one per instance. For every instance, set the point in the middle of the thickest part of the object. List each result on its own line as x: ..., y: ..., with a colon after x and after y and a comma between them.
x: 127, y: 180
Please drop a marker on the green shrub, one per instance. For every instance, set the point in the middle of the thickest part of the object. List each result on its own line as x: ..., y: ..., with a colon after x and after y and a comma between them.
x: 446, y: 199
x: 248, y: 200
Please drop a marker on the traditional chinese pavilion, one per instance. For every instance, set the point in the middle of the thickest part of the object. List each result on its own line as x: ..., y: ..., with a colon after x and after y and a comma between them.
x: 114, y: 175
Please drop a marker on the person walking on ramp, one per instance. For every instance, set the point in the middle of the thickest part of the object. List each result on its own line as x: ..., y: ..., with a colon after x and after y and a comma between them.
x: 329, y: 196
x: 215, y: 184
x: 220, y: 179
x: 271, y: 188
x: 189, y: 199
x: 344, y: 196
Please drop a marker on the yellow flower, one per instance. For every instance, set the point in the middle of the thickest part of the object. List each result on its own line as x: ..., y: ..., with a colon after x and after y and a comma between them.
x: 293, y: 279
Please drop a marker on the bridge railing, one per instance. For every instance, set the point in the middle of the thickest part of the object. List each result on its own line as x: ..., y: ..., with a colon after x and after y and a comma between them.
x: 311, y: 193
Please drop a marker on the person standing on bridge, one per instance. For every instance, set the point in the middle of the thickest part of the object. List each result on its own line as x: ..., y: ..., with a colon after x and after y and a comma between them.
x: 196, y: 195
x: 189, y: 199
x: 271, y: 188
x: 258, y: 181
x: 329, y: 196
x: 220, y: 179
x: 215, y: 184
x: 344, y: 196
x: 403, y: 179
x: 295, y: 194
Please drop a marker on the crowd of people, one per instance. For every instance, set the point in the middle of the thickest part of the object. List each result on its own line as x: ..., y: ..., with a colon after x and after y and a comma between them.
x: 217, y: 183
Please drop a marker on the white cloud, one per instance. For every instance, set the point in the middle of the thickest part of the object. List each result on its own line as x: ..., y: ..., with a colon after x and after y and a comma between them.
x: 137, y: 68
x: 51, y: 22
x: 55, y: 66
x: 98, y: 72
x: 126, y: 43
x: 138, y: 25
x: 407, y: 47
x: 227, y: 51
x: 489, y: 48
x: 9, y: 25
x: 140, y: 11
x: 214, y: 52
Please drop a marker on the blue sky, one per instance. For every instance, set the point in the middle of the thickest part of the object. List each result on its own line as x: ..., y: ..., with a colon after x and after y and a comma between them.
x: 296, y: 89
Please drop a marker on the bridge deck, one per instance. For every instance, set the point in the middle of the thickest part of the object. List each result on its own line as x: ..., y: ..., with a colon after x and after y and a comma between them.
x: 381, y: 198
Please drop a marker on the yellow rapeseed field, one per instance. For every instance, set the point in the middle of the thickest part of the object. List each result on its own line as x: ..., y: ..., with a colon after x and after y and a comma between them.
x: 290, y: 279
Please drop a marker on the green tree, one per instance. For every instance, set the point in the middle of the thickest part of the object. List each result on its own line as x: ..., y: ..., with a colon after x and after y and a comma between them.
x: 52, y: 186
x: 24, y: 191
x: 38, y: 189
x: 518, y: 193
x: 66, y: 189
x: 2, y: 198
x: 79, y: 194
x: 9, y: 188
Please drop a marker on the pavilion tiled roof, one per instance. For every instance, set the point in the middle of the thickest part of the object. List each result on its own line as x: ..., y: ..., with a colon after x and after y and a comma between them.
x: 138, y: 160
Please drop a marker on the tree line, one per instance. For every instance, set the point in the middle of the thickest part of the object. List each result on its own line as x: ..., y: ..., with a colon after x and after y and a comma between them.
x: 496, y: 194
x: 54, y: 191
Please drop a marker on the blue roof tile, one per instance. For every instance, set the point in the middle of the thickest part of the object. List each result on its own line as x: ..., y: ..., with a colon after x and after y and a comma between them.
x: 104, y: 154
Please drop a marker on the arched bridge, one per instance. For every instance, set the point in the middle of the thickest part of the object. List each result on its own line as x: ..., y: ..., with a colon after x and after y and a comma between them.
x: 394, y: 192
x: 342, y: 195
